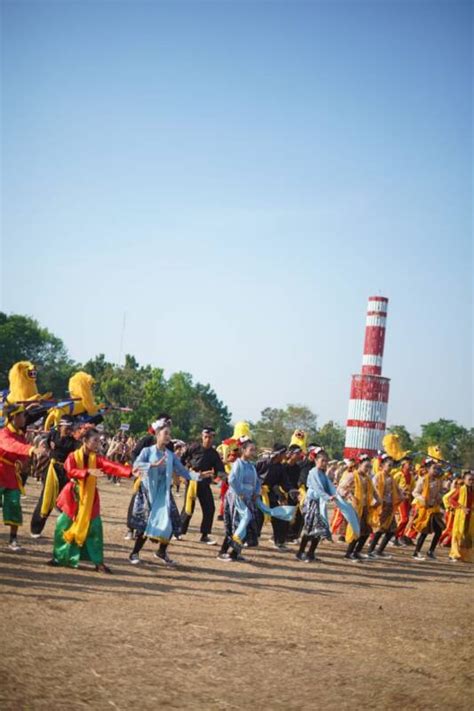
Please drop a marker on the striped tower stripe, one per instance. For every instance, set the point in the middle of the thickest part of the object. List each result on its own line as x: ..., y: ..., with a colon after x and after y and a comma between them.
x: 369, y: 387
x: 367, y: 410
x: 377, y: 303
x: 376, y: 320
x: 371, y: 359
x: 369, y: 391
x: 364, y: 438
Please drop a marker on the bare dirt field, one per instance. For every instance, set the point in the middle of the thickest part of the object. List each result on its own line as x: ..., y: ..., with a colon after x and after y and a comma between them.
x: 270, y: 633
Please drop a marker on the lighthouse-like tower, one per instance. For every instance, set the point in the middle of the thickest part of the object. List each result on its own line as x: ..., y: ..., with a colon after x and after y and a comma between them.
x: 369, y: 391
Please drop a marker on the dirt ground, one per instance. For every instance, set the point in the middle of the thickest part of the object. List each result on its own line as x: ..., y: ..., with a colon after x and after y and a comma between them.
x: 270, y: 633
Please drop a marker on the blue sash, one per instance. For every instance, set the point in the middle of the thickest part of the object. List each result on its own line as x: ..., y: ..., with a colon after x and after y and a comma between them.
x: 349, y: 514
x: 285, y: 513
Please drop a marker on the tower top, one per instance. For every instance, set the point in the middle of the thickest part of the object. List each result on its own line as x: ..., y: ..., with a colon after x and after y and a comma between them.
x: 374, y: 335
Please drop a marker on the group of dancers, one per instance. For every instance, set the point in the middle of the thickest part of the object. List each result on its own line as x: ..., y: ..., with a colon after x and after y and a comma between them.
x: 369, y: 502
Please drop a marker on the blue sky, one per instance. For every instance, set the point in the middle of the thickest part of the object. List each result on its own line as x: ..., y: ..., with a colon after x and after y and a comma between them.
x: 239, y: 177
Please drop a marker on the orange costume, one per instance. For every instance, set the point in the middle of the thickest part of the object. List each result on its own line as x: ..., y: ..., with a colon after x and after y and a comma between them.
x: 338, y: 522
x: 446, y: 536
x: 405, y: 480
x: 462, y: 500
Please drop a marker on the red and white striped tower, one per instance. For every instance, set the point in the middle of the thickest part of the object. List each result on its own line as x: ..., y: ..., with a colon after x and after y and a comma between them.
x: 369, y: 391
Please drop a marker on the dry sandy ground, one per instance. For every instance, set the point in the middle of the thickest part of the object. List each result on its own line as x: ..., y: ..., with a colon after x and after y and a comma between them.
x: 271, y: 633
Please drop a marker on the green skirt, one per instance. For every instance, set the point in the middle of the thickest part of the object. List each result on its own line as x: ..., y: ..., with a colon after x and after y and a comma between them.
x: 69, y: 554
x: 10, y: 501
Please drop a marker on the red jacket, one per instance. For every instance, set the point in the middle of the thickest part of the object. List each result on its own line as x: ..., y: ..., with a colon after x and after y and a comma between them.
x: 13, y: 448
x: 67, y: 500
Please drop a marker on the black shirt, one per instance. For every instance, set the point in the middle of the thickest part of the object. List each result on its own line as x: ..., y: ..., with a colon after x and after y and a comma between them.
x: 277, y: 476
x: 305, y: 468
x: 262, y: 467
x: 293, y: 474
x: 202, y: 459
x: 62, y: 446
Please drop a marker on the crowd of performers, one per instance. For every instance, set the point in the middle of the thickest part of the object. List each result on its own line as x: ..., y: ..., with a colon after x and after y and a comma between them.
x: 366, y: 503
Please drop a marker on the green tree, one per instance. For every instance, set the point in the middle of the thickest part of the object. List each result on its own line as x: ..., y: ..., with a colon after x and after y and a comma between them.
x: 194, y: 406
x: 454, y: 439
x: 210, y: 411
x: 331, y: 436
x: 130, y: 385
x: 278, y: 425
x: 465, y: 449
x: 22, y: 338
x: 151, y: 394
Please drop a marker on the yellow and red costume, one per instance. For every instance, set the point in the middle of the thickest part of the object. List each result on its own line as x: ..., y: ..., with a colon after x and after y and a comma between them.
x: 228, y: 451
x: 405, y: 480
x: 462, y: 500
x: 14, y: 451
x: 446, y: 536
x: 78, y: 535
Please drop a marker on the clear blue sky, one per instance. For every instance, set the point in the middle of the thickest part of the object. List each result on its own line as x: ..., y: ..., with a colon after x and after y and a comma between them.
x: 239, y: 177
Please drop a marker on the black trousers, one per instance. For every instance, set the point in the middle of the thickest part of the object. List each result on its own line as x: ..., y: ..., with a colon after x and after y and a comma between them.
x: 296, y: 526
x: 437, y: 530
x: 38, y: 522
x: 205, y: 498
x: 280, y: 528
x: 130, y: 512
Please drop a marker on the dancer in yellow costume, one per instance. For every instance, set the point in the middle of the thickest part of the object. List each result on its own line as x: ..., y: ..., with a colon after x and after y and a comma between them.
x: 383, y: 519
x: 356, y: 486
x: 427, y: 497
x: 22, y: 381
x: 463, y: 528
x: 81, y: 386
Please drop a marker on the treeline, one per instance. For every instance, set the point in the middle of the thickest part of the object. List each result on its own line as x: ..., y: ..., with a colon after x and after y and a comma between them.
x: 142, y: 388
x: 191, y: 404
x: 456, y: 441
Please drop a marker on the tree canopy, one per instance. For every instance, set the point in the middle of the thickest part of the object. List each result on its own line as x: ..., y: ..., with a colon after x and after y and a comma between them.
x: 22, y: 338
x: 278, y: 424
x: 456, y: 441
x: 146, y: 390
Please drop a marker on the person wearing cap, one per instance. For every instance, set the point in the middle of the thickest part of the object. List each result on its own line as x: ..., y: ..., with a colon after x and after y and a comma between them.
x: 155, y: 514
x: 202, y: 457
x: 462, y: 501
x: 78, y: 534
x: 383, y: 519
x: 427, y: 498
x: 61, y: 444
x: 275, y: 489
x: 405, y: 480
x: 357, y: 487
x: 15, y: 451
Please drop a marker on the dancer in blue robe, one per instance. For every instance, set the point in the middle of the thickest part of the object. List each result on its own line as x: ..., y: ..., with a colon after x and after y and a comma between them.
x: 155, y: 514
x: 241, y: 503
x: 320, y: 491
